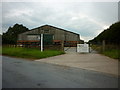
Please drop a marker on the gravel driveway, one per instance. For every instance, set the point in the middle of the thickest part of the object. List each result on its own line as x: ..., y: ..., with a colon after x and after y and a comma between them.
x: 90, y: 61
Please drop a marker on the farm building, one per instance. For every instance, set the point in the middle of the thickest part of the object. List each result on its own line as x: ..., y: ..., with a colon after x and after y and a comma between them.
x: 51, y: 36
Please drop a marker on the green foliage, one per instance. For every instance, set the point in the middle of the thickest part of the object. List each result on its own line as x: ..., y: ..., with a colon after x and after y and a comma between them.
x: 97, y: 48
x: 29, y: 53
x: 0, y: 50
x: 112, y: 41
x: 112, y: 53
x: 10, y: 37
x: 110, y: 35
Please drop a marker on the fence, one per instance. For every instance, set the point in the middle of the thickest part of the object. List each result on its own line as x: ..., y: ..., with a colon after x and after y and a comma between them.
x: 106, y: 45
x: 45, y: 47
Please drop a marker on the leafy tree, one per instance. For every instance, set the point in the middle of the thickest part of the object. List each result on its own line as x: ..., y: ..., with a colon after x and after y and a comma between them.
x: 10, y: 37
x: 110, y: 35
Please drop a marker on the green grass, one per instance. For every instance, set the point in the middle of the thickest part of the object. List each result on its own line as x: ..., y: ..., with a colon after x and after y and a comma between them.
x: 29, y: 53
x: 112, y: 53
x: 98, y: 48
x: 0, y: 49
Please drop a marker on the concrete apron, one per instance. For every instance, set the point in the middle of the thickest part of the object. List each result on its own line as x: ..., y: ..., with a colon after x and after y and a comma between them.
x: 90, y: 61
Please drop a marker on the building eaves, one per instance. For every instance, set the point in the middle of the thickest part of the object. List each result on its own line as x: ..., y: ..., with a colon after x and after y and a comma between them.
x: 53, y: 27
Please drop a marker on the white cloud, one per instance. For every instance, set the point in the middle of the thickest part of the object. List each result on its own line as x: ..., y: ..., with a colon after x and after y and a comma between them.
x: 0, y: 21
x: 18, y: 13
x: 86, y: 39
x: 106, y: 27
x: 60, y: 0
x: 87, y: 19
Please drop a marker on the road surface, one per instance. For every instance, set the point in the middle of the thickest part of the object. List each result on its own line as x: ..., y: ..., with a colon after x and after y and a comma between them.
x: 0, y: 72
x: 20, y: 73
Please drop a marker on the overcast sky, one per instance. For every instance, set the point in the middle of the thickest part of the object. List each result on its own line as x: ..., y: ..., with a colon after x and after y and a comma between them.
x: 85, y: 18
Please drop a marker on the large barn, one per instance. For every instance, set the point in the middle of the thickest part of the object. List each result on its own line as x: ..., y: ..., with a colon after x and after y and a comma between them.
x: 51, y: 36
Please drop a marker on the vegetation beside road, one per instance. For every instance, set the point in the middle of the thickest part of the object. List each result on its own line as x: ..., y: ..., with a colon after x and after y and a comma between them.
x: 29, y: 53
x: 110, y: 52
x: 11, y: 35
x: 0, y: 50
x: 108, y: 41
x: 113, y: 53
x: 111, y: 35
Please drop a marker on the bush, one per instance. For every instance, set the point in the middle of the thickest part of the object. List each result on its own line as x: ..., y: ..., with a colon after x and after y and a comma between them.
x: 113, y: 53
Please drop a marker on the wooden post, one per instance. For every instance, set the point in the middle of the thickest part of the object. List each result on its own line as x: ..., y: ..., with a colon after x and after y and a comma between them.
x: 76, y: 45
x: 62, y: 45
x: 103, y: 45
x: 89, y: 47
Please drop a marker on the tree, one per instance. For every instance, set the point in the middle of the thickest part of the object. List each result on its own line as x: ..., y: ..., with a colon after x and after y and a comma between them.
x: 110, y: 35
x: 11, y: 36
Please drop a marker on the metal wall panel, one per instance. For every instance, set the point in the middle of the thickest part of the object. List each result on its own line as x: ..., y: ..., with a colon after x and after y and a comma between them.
x: 59, y: 34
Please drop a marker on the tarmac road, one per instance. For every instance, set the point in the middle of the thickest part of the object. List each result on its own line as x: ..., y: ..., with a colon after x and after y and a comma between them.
x: 20, y: 73
x: 0, y: 72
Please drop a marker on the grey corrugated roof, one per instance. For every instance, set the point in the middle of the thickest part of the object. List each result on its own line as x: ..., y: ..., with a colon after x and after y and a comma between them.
x: 56, y: 28
x: 52, y: 27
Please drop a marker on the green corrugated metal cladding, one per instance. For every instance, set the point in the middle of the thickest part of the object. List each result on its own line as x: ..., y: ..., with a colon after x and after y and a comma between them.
x: 47, y: 39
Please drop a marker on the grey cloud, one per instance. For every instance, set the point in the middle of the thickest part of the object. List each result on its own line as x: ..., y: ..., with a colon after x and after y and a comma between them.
x: 84, y: 18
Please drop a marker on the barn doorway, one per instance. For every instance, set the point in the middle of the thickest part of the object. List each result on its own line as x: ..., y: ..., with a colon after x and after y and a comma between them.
x: 47, y: 39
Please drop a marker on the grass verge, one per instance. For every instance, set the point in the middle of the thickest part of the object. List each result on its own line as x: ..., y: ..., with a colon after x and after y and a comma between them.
x: 29, y: 53
x: 112, y: 53
x: 0, y: 50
